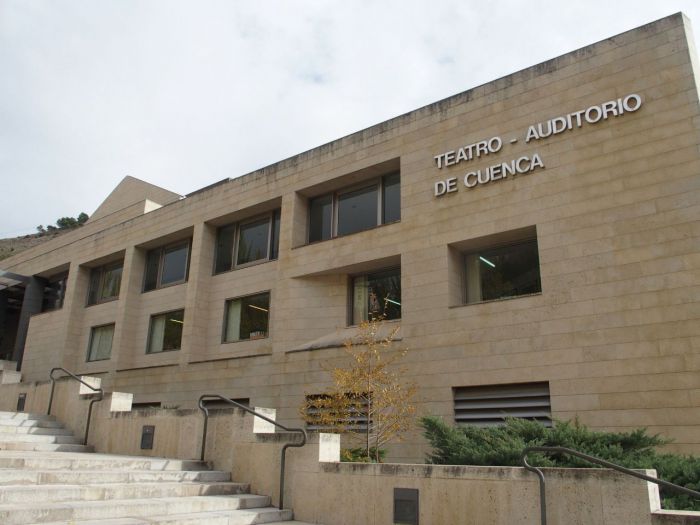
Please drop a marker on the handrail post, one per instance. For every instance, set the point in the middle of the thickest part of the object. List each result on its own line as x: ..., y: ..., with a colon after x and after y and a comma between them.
x: 98, y: 391
x: 304, y: 436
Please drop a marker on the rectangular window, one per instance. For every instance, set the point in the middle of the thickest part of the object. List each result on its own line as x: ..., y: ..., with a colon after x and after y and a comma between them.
x: 502, y: 272
x: 247, y: 242
x: 355, y: 209
x: 100, y: 347
x: 247, y: 318
x: 489, y: 405
x: 104, y: 283
x: 167, y: 265
x: 165, y: 332
x: 376, y: 295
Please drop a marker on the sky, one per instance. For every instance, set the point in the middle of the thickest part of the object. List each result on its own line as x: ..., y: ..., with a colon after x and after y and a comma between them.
x: 185, y: 93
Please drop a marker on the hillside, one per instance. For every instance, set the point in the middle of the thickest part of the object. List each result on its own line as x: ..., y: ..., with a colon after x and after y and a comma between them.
x: 14, y: 245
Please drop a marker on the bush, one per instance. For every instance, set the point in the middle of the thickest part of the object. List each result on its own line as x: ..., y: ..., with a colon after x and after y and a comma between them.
x: 503, y: 446
x: 359, y: 455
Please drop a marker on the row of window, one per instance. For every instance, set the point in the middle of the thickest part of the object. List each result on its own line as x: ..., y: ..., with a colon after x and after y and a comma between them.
x: 245, y: 318
x: 492, y: 273
x: 257, y: 239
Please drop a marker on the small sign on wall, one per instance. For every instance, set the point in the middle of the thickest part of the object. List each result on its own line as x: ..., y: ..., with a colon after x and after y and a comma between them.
x: 147, y: 434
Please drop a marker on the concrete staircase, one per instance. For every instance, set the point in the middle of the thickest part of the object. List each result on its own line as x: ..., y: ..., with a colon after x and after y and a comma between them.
x: 47, y: 476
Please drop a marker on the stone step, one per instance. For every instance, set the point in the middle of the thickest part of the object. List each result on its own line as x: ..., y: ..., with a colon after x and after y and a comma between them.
x: 39, y: 512
x: 32, y: 423
x: 13, y: 476
x: 45, y: 447
x: 116, y: 491
x: 39, y: 438
x: 47, y: 460
x: 4, y: 414
x: 6, y: 430
x: 230, y: 517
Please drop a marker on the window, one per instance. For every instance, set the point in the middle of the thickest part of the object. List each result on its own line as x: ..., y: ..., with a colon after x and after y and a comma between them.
x: 247, y: 242
x: 247, y: 318
x: 376, y: 295
x: 165, y: 332
x: 100, y: 347
x: 486, y: 406
x: 167, y: 265
x: 355, y: 209
x: 54, y: 292
x: 104, y: 283
x: 502, y: 272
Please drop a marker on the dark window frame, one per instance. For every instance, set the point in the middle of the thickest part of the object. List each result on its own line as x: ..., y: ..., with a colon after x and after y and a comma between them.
x: 378, y: 183
x: 161, y: 256
x: 272, y: 250
x: 101, y: 282
x: 149, y: 351
x: 92, y: 335
x: 240, y: 297
x: 499, y: 246
x: 351, y: 292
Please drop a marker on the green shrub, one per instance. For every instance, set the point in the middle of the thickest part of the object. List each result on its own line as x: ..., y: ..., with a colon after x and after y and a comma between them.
x: 503, y: 446
x: 359, y: 455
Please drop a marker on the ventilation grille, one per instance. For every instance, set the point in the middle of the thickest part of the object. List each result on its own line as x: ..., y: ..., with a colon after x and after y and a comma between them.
x: 487, y: 406
x: 354, y: 420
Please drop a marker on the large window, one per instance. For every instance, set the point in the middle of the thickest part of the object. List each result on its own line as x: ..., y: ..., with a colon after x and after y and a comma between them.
x: 489, y: 405
x: 376, y: 295
x: 503, y: 271
x: 104, y: 283
x: 167, y: 265
x: 247, y: 242
x: 165, y: 332
x: 355, y: 209
x: 247, y: 318
x: 100, y: 347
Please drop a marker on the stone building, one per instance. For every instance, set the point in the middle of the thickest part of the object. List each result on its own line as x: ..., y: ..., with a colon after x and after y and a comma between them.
x: 536, y: 238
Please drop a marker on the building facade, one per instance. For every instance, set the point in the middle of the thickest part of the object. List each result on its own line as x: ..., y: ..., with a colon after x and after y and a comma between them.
x: 536, y: 238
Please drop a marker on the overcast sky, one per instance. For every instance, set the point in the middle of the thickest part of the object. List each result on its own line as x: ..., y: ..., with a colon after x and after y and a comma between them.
x: 185, y: 93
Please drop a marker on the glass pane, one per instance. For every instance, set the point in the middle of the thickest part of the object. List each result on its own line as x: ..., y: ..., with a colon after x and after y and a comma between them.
x: 94, y: 285
x: 275, y: 241
x: 174, y: 264
x: 357, y: 210
x: 382, y: 296
x: 155, y: 339
x: 224, y: 248
x: 320, y: 217
x: 152, y: 261
x: 101, y: 343
x: 253, y: 241
x: 508, y: 271
x: 110, y: 283
x: 172, y: 334
x: 391, y: 206
x: 247, y: 317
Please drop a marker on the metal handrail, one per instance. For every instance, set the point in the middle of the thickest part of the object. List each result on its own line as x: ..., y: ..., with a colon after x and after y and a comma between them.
x: 257, y: 414
x: 597, y: 461
x: 99, y: 391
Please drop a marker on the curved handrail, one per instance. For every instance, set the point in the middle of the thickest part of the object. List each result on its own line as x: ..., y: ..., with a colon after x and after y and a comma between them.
x: 597, y: 461
x: 265, y: 418
x: 99, y: 391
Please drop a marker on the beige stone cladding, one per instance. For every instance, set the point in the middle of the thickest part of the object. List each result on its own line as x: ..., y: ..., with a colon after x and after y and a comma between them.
x: 614, y: 331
